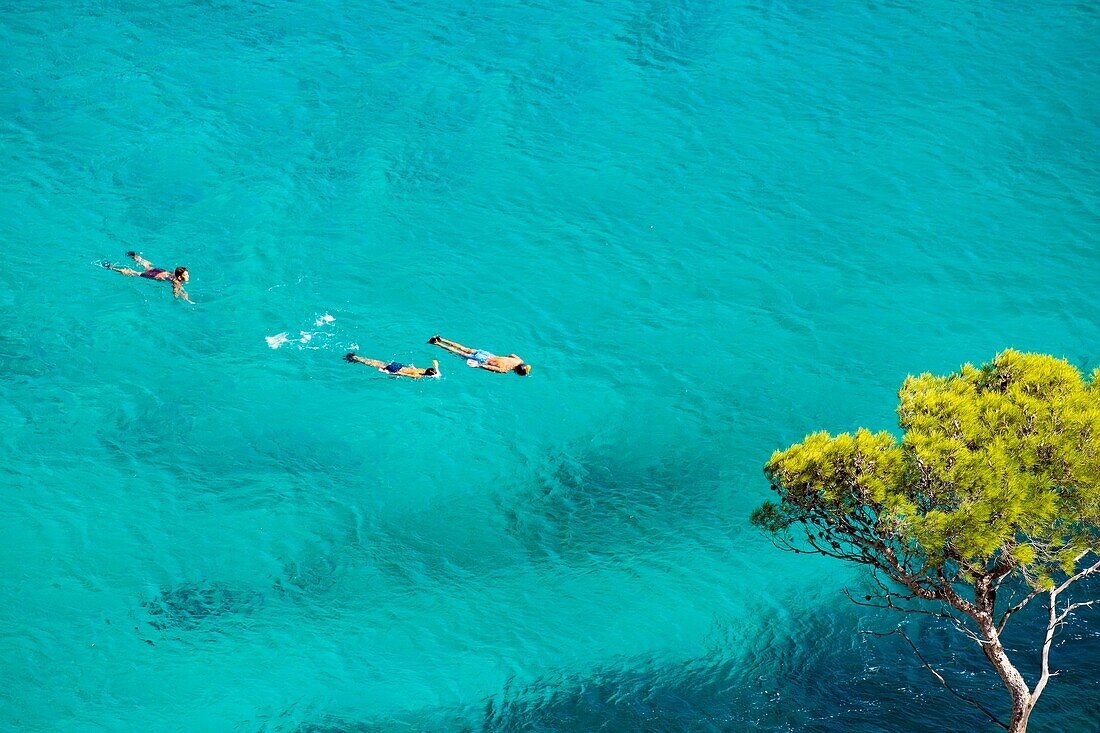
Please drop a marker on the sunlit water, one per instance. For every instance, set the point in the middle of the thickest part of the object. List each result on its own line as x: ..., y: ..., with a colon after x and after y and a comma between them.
x: 711, y: 228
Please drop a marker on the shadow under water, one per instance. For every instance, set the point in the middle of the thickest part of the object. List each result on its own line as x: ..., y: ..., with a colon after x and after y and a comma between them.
x: 669, y: 34
x: 576, y: 509
x: 805, y: 676
x: 199, y: 606
x: 598, y: 506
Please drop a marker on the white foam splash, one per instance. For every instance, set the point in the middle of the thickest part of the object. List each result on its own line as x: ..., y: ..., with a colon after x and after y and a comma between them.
x: 320, y: 336
x: 277, y: 340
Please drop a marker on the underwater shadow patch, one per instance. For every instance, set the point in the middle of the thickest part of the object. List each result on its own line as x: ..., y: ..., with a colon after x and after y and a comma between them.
x: 811, y: 674
x: 200, y: 607
x: 670, y: 34
x: 332, y: 724
x: 434, y: 547
x: 821, y: 681
x: 598, y: 506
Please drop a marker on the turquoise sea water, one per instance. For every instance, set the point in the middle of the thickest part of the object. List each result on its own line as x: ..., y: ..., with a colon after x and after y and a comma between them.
x: 711, y: 227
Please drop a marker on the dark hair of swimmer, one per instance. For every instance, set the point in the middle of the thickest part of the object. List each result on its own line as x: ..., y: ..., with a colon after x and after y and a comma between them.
x: 431, y: 372
x: 523, y: 370
x: 181, y: 274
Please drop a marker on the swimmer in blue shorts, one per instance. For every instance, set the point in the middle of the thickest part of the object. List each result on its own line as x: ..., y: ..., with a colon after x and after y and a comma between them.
x: 394, y: 368
x: 483, y: 359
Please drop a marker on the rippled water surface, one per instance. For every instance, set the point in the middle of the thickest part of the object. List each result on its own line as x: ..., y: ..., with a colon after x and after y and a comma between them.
x: 711, y: 227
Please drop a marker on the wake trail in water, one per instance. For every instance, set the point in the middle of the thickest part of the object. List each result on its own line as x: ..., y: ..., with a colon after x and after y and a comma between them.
x: 321, y: 334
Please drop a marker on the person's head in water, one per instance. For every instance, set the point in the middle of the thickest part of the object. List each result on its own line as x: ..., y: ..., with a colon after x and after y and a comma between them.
x: 433, y: 370
x: 523, y: 370
x: 182, y: 274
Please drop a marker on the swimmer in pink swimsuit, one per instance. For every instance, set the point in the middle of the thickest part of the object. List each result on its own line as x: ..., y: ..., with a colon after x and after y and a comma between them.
x: 177, y: 278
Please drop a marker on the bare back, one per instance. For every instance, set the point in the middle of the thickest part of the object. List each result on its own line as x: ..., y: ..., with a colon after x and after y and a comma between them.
x: 502, y: 364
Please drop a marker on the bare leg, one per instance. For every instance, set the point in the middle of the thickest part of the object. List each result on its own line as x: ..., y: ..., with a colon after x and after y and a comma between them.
x: 369, y: 362
x: 123, y: 270
x: 453, y: 347
x: 141, y: 260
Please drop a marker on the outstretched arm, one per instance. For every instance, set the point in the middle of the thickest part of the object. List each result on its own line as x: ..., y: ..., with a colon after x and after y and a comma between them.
x: 179, y: 292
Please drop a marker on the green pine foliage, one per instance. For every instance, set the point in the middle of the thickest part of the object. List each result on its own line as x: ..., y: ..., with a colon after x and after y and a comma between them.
x: 997, y: 465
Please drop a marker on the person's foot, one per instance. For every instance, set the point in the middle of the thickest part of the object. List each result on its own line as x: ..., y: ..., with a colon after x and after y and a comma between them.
x: 349, y: 357
x: 131, y: 253
x: 434, y: 339
x: 108, y: 265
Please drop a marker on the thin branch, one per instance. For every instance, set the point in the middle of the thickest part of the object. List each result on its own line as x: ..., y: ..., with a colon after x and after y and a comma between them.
x: 1073, y: 607
x: 942, y: 614
x: 1044, y: 668
x: 960, y: 626
x: 889, y: 604
x: 1095, y: 567
x: 1014, y: 609
x: 1056, y: 619
x: 939, y: 676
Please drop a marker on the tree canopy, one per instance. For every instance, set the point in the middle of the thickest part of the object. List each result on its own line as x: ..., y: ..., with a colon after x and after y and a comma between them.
x: 996, y: 478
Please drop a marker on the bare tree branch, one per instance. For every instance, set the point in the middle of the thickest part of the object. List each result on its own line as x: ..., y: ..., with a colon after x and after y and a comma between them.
x: 1019, y: 606
x: 1073, y: 607
x: 888, y: 603
x: 1095, y: 567
x: 939, y: 676
x: 1056, y: 619
x: 1044, y: 673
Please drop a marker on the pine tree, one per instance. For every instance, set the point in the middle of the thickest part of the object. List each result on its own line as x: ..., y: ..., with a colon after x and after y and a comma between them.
x: 991, y: 499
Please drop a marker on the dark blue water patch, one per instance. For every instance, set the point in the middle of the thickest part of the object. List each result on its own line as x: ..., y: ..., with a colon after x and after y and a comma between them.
x: 669, y: 34
x: 19, y: 358
x: 578, y: 510
x: 312, y: 576
x: 826, y: 679
x: 548, y: 99
x: 261, y: 27
x: 332, y: 724
x: 200, y: 606
x: 301, y: 452
x: 597, y: 505
x: 417, y: 170
x: 433, y: 546
x: 798, y: 675
x: 796, y: 694
x: 226, y: 462
x: 436, y: 152
x: 135, y: 426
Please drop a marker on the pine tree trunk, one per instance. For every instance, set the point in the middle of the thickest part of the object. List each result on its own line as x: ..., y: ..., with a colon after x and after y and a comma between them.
x: 1010, y: 676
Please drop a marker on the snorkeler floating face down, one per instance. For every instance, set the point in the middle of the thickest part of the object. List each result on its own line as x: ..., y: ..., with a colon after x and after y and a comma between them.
x: 395, y: 368
x: 177, y: 278
x: 482, y: 359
